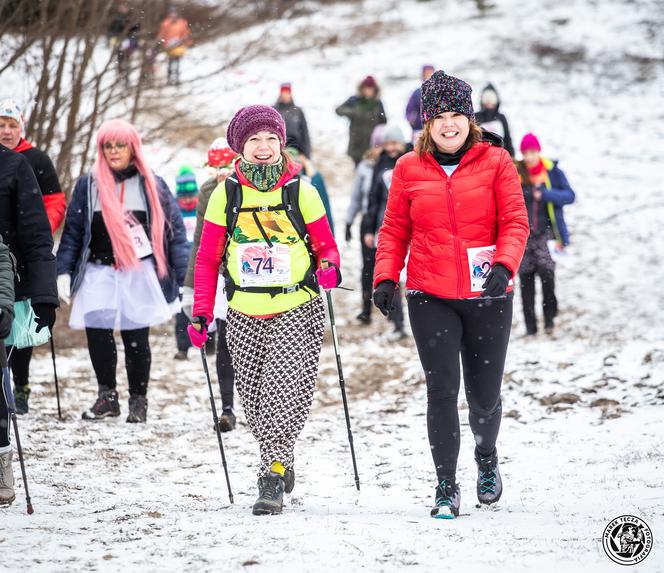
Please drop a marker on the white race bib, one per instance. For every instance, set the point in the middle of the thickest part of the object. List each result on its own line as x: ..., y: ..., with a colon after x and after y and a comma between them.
x: 189, y: 227
x: 557, y: 252
x: 259, y: 265
x: 142, y: 245
x: 480, y: 260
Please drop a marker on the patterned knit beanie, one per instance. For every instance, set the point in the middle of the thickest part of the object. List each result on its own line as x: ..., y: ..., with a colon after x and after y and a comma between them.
x: 441, y: 93
x: 252, y: 119
x: 185, y: 182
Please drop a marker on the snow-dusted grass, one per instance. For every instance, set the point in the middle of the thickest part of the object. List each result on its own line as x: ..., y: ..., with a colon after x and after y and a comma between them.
x: 581, y: 436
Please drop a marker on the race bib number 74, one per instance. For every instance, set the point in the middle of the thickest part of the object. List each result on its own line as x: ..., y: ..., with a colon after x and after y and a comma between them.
x: 262, y: 266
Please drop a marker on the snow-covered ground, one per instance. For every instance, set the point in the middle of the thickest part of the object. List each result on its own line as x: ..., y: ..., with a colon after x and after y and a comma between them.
x: 582, y: 432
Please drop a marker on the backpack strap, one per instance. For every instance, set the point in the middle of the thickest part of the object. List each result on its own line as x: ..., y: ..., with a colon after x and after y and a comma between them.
x: 233, y: 204
x: 290, y: 197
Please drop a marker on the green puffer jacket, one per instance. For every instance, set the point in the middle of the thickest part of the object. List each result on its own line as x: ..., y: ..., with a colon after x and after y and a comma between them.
x: 203, y: 199
x: 7, y: 267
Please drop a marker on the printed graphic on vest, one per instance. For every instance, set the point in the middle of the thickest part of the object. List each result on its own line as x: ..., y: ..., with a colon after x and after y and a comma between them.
x: 627, y: 540
x: 276, y: 225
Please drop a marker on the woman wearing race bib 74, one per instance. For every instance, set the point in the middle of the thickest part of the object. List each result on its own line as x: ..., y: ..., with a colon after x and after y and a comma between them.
x: 270, y: 228
x: 455, y: 205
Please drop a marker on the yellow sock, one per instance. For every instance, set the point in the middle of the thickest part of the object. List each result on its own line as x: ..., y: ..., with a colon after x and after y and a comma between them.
x: 278, y: 468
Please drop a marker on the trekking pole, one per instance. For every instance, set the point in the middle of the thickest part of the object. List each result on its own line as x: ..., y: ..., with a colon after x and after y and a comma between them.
x: 215, y: 419
x: 55, y: 375
x: 12, y: 410
x: 342, y: 383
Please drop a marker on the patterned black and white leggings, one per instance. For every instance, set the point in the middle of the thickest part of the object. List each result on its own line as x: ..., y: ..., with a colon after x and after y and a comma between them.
x: 276, y: 365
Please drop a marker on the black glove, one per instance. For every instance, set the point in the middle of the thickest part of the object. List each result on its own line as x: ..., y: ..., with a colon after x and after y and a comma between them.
x: 6, y: 320
x: 349, y: 235
x: 45, y: 315
x: 384, y: 296
x: 496, y: 281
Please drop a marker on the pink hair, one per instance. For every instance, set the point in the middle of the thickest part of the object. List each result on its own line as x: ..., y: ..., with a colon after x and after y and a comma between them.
x: 112, y: 210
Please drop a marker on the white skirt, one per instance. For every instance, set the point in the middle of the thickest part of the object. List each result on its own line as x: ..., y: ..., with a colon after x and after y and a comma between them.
x: 124, y: 300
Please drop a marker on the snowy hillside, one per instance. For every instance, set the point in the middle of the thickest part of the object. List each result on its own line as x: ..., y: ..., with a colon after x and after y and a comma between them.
x: 581, y: 437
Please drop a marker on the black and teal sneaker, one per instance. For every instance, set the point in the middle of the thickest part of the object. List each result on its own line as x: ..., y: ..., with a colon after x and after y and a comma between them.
x: 448, y: 501
x: 489, y: 482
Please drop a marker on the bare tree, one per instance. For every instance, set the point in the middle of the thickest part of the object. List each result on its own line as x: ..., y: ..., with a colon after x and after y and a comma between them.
x: 78, y: 74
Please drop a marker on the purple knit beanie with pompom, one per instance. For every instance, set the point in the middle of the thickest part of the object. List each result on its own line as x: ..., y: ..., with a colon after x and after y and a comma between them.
x: 250, y: 120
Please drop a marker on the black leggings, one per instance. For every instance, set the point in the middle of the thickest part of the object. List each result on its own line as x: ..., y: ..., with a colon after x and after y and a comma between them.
x: 549, y: 301
x: 225, y: 370
x: 104, y: 356
x: 479, y: 331
x: 20, y: 365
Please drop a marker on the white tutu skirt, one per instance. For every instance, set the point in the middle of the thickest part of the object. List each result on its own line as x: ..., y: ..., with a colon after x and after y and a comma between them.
x: 123, y: 300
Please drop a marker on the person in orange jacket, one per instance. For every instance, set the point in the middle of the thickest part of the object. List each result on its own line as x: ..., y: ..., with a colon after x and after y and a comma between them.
x: 456, y: 208
x: 174, y: 38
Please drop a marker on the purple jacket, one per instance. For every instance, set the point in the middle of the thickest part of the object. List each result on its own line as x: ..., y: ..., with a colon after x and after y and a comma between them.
x: 413, y: 114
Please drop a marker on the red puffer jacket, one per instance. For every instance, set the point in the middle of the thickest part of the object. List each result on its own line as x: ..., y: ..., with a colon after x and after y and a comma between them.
x: 440, y: 217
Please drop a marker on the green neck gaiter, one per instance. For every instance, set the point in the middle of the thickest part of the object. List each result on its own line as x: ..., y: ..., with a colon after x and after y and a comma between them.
x: 262, y: 176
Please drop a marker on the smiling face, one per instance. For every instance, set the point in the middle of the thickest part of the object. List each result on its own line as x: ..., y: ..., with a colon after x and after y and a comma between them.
x: 262, y: 147
x: 117, y: 154
x: 10, y: 132
x: 449, y: 131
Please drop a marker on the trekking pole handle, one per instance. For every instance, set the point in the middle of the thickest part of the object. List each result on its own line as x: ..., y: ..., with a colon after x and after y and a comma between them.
x: 324, y: 264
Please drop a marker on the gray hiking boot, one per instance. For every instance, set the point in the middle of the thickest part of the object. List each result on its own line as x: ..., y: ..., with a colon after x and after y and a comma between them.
x: 138, y: 409
x: 448, y: 501
x: 7, y: 494
x: 489, y: 482
x: 270, y: 494
x: 289, y: 480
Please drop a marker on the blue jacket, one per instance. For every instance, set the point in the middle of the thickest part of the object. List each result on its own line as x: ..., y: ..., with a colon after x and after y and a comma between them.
x: 74, y: 252
x: 555, y: 195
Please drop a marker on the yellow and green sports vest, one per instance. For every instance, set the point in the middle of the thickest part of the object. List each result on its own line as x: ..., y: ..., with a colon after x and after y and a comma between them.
x: 248, y: 259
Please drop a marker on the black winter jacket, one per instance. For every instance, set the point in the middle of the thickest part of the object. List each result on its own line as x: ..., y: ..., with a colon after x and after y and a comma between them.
x: 297, y: 131
x: 24, y: 227
x: 494, y: 121
x: 378, y: 192
x: 6, y: 279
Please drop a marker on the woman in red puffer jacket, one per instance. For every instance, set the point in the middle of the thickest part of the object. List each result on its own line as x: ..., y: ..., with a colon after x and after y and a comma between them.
x: 456, y: 203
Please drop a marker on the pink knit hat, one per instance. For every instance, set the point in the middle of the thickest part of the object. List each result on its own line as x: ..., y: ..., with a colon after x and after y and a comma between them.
x: 250, y: 120
x: 530, y: 143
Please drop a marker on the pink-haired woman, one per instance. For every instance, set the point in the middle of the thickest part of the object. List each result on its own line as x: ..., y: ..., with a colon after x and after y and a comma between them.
x: 122, y: 256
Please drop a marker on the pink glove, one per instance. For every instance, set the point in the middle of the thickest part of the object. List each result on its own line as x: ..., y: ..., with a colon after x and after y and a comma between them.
x: 328, y: 278
x: 197, y: 337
